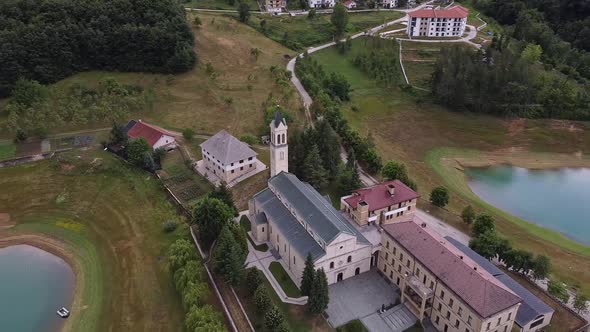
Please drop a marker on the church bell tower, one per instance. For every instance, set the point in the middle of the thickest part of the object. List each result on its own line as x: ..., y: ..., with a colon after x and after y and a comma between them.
x: 279, y: 158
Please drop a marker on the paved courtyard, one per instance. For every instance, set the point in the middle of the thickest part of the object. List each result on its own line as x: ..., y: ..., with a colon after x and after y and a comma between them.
x: 359, y: 297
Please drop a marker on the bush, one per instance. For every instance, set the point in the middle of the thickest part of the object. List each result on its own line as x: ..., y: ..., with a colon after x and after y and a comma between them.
x: 188, y: 134
x: 439, y: 196
x: 254, y: 279
x: 262, y: 299
x: 249, y: 139
x: 169, y: 226
x: 468, y: 215
x: 274, y: 319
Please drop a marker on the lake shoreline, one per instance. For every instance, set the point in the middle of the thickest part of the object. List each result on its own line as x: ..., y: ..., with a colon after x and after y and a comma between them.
x: 528, y: 160
x: 57, y: 248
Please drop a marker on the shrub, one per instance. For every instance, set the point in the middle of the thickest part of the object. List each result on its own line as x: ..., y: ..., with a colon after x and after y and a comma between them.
x: 262, y: 299
x: 249, y: 139
x: 188, y: 134
x: 439, y: 196
x: 274, y: 319
x: 169, y: 226
x: 254, y: 279
x: 468, y: 215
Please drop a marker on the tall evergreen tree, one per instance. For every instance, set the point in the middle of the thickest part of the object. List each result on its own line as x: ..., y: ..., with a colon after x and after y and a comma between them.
x: 318, y: 298
x: 228, y: 257
x: 308, y: 276
x: 329, y: 147
x: 313, y: 171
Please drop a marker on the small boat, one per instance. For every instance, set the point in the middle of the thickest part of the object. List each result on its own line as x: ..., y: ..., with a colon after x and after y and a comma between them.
x: 63, y: 312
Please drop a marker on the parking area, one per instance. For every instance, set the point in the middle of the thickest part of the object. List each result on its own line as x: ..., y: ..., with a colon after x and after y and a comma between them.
x: 358, y: 297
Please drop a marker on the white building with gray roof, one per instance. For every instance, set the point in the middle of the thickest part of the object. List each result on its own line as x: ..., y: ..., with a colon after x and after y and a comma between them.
x: 227, y: 158
x: 296, y: 220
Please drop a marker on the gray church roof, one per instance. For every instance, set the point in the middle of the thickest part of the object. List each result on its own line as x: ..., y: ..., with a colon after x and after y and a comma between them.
x: 226, y: 148
x: 317, y: 212
x: 293, y: 231
x: 531, y: 306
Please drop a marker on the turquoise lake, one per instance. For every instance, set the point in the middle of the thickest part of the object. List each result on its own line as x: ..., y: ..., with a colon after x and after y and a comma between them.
x: 33, y: 285
x: 556, y: 199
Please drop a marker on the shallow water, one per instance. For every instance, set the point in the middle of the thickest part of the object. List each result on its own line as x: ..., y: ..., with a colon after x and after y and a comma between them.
x: 33, y: 285
x: 558, y: 199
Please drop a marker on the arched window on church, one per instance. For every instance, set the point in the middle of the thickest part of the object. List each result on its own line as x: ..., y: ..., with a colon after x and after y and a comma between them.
x: 284, y: 140
x: 278, y: 138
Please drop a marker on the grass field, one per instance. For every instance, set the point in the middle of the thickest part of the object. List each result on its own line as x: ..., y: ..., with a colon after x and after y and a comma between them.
x: 219, y: 4
x: 409, y: 127
x: 109, y: 216
x: 234, y: 97
x: 302, y: 32
x: 284, y: 279
x: 7, y: 150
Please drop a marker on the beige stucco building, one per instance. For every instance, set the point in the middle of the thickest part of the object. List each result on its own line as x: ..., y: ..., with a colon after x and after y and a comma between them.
x: 437, y: 22
x: 380, y: 204
x: 437, y: 281
x: 227, y: 158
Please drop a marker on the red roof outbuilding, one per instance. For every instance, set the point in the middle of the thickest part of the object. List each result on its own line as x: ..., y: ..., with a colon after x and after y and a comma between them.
x: 150, y: 132
x: 452, y: 12
x: 378, y: 196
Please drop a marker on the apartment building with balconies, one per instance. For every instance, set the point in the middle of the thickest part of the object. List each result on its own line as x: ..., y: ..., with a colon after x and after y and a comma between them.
x: 437, y: 22
x: 380, y: 204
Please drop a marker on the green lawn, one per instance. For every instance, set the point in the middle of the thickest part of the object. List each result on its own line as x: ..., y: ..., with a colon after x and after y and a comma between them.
x: 353, y: 326
x: 301, y: 32
x: 109, y: 216
x: 284, y: 279
x: 219, y: 4
x: 7, y: 150
x: 409, y: 127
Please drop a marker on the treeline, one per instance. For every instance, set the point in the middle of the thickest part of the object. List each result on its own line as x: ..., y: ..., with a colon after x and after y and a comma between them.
x: 35, y: 108
x: 49, y: 40
x: 538, y: 21
x: 379, y: 58
x: 506, y: 80
x: 190, y: 279
x: 328, y: 92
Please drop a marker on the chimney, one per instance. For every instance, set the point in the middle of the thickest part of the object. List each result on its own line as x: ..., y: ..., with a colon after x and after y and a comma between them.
x: 391, y: 189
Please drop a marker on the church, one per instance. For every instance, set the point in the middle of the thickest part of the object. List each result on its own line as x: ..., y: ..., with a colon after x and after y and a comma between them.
x: 296, y: 220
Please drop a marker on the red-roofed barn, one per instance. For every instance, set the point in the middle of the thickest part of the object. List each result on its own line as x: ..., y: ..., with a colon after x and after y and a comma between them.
x: 155, y: 136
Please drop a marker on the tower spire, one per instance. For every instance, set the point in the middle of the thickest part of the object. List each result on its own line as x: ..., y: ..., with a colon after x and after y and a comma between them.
x: 279, y: 159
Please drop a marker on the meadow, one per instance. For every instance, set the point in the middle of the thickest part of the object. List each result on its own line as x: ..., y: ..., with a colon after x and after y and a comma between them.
x: 410, y: 127
x: 109, y: 216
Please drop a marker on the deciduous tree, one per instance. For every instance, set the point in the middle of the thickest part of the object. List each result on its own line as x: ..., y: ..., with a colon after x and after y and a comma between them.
x: 581, y: 303
x: 244, y: 11
x: 468, y: 215
x: 274, y: 319
x: 541, y: 267
x: 558, y: 289
x: 482, y: 224
x: 210, y: 215
x: 439, y: 196
x: 137, y: 150
x: 339, y: 19
x: 179, y: 253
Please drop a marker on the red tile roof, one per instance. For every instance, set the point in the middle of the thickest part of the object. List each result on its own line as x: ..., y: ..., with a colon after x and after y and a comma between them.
x: 452, y: 12
x: 477, y: 288
x: 378, y: 196
x: 150, y: 132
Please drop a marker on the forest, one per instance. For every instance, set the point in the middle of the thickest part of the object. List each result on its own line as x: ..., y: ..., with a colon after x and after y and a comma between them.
x: 560, y: 27
x: 503, y: 81
x: 47, y: 41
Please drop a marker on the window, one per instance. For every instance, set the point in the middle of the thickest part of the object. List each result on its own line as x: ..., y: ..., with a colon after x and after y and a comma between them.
x: 241, y: 168
x: 394, y: 250
x: 387, y: 245
x: 408, y: 263
x: 460, y: 311
x: 442, y: 294
x: 251, y: 165
x: 448, y: 314
x: 390, y: 274
x: 401, y: 256
x: 436, y: 320
x: 457, y: 323
x: 232, y: 171
x: 399, y: 268
x: 418, y: 271
x: 499, y: 321
x: 331, y: 265
x: 285, y: 248
x: 432, y: 285
x: 509, y: 315
x: 241, y: 161
x: 488, y: 327
x: 349, y: 259
x: 386, y: 256
x: 263, y: 229
x: 384, y: 268
x: 469, y: 320
x: 505, y: 328
x: 439, y: 306
x: 277, y: 238
x: 250, y: 158
x: 293, y: 260
x: 451, y: 302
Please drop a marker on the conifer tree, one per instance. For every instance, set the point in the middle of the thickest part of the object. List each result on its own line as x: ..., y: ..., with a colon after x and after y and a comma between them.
x: 313, y: 171
x: 308, y: 275
x: 228, y: 257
